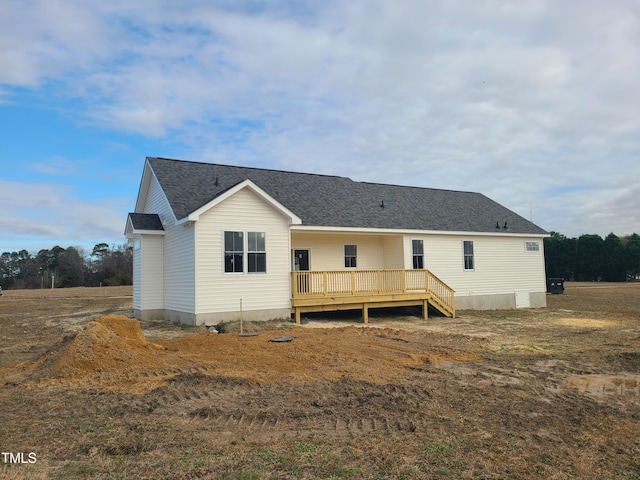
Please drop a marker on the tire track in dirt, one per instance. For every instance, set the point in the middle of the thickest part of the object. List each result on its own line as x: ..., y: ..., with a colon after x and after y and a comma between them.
x: 238, y: 409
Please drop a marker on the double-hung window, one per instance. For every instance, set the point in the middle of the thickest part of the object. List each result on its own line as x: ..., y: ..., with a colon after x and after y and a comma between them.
x: 257, y: 252
x: 238, y: 253
x: 350, y: 256
x: 469, y: 263
x: 417, y: 248
x: 233, y: 252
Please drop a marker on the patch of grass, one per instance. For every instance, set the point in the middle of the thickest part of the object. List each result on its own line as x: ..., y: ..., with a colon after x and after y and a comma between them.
x: 443, y: 472
x: 344, y: 472
x: 435, y: 447
x: 243, y: 476
x: 269, y: 458
x: 188, y: 464
x: 304, y: 447
x: 547, y: 459
x: 77, y: 470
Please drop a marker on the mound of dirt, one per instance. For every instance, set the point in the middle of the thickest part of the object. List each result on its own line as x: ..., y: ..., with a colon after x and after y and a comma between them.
x: 109, y: 343
x: 112, y: 353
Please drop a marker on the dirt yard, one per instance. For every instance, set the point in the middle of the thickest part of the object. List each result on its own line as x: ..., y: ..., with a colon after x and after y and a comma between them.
x: 86, y: 392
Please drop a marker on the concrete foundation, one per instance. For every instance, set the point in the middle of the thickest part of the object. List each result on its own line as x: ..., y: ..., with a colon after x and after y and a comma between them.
x: 212, y: 318
x: 504, y: 301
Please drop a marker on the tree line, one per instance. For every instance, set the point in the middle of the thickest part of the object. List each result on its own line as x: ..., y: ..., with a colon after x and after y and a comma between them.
x: 67, y: 267
x: 593, y: 258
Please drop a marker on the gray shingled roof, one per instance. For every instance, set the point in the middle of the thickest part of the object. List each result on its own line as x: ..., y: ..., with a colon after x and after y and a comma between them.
x: 146, y: 221
x: 324, y: 200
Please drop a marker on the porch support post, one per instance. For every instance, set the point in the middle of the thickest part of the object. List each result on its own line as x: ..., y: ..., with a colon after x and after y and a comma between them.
x: 425, y: 309
x: 365, y: 313
x: 297, y: 315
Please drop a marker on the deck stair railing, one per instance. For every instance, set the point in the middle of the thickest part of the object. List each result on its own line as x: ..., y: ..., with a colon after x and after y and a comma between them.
x: 358, y: 283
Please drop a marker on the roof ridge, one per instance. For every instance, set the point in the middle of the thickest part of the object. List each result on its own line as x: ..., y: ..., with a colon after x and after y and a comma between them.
x: 242, y: 167
x: 252, y: 168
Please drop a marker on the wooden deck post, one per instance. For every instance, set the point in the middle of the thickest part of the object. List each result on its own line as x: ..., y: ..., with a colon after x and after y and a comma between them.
x: 365, y: 313
x: 297, y: 316
x: 325, y: 283
x: 425, y: 309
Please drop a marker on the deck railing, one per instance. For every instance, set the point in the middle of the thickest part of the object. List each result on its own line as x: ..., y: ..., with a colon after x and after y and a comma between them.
x: 345, y: 283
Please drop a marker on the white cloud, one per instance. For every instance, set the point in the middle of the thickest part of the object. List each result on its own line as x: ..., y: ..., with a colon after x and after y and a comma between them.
x: 41, y: 215
x: 528, y: 102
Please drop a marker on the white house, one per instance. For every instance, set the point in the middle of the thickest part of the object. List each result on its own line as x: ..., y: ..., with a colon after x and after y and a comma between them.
x: 212, y: 242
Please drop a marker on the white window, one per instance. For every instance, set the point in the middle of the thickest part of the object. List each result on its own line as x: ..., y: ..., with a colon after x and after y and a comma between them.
x: 532, y: 246
x: 417, y: 249
x: 350, y: 256
x: 233, y: 252
x: 257, y: 252
x: 469, y: 263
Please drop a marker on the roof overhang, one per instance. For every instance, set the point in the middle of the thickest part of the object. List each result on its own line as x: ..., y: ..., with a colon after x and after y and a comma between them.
x: 131, y: 229
x: 145, y: 184
x: 391, y: 231
x: 195, y: 215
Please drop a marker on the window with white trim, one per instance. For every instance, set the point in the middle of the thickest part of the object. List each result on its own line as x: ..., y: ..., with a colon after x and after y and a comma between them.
x: 350, y: 256
x: 467, y: 247
x: 417, y: 249
x: 233, y: 252
x: 257, y: 252
x: 238, y: 252
x: 532, y: 246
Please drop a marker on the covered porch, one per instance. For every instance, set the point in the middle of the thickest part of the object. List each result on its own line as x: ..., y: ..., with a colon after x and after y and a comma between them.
x: 331, y: 290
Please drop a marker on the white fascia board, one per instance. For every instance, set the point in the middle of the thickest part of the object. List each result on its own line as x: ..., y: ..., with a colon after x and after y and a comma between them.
x: 392, y: 231
x: 149, y: 232
x: 195, y: 216
x: 143, y: 190
x: 145, y: 184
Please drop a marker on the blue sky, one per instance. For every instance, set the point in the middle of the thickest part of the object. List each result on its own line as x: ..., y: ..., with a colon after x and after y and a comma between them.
x: 533, y: 103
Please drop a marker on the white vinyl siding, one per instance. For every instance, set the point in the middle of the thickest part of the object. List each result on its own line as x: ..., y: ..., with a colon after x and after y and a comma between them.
x: 179, y: 254
x: 393, y: 251
x: 326, y: 250
x: 218, y: 291
x: 137, y: 274
x: 501, y: 265
x: 151, y: 268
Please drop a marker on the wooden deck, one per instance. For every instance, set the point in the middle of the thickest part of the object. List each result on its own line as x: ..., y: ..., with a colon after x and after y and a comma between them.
x: 318, y: 291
